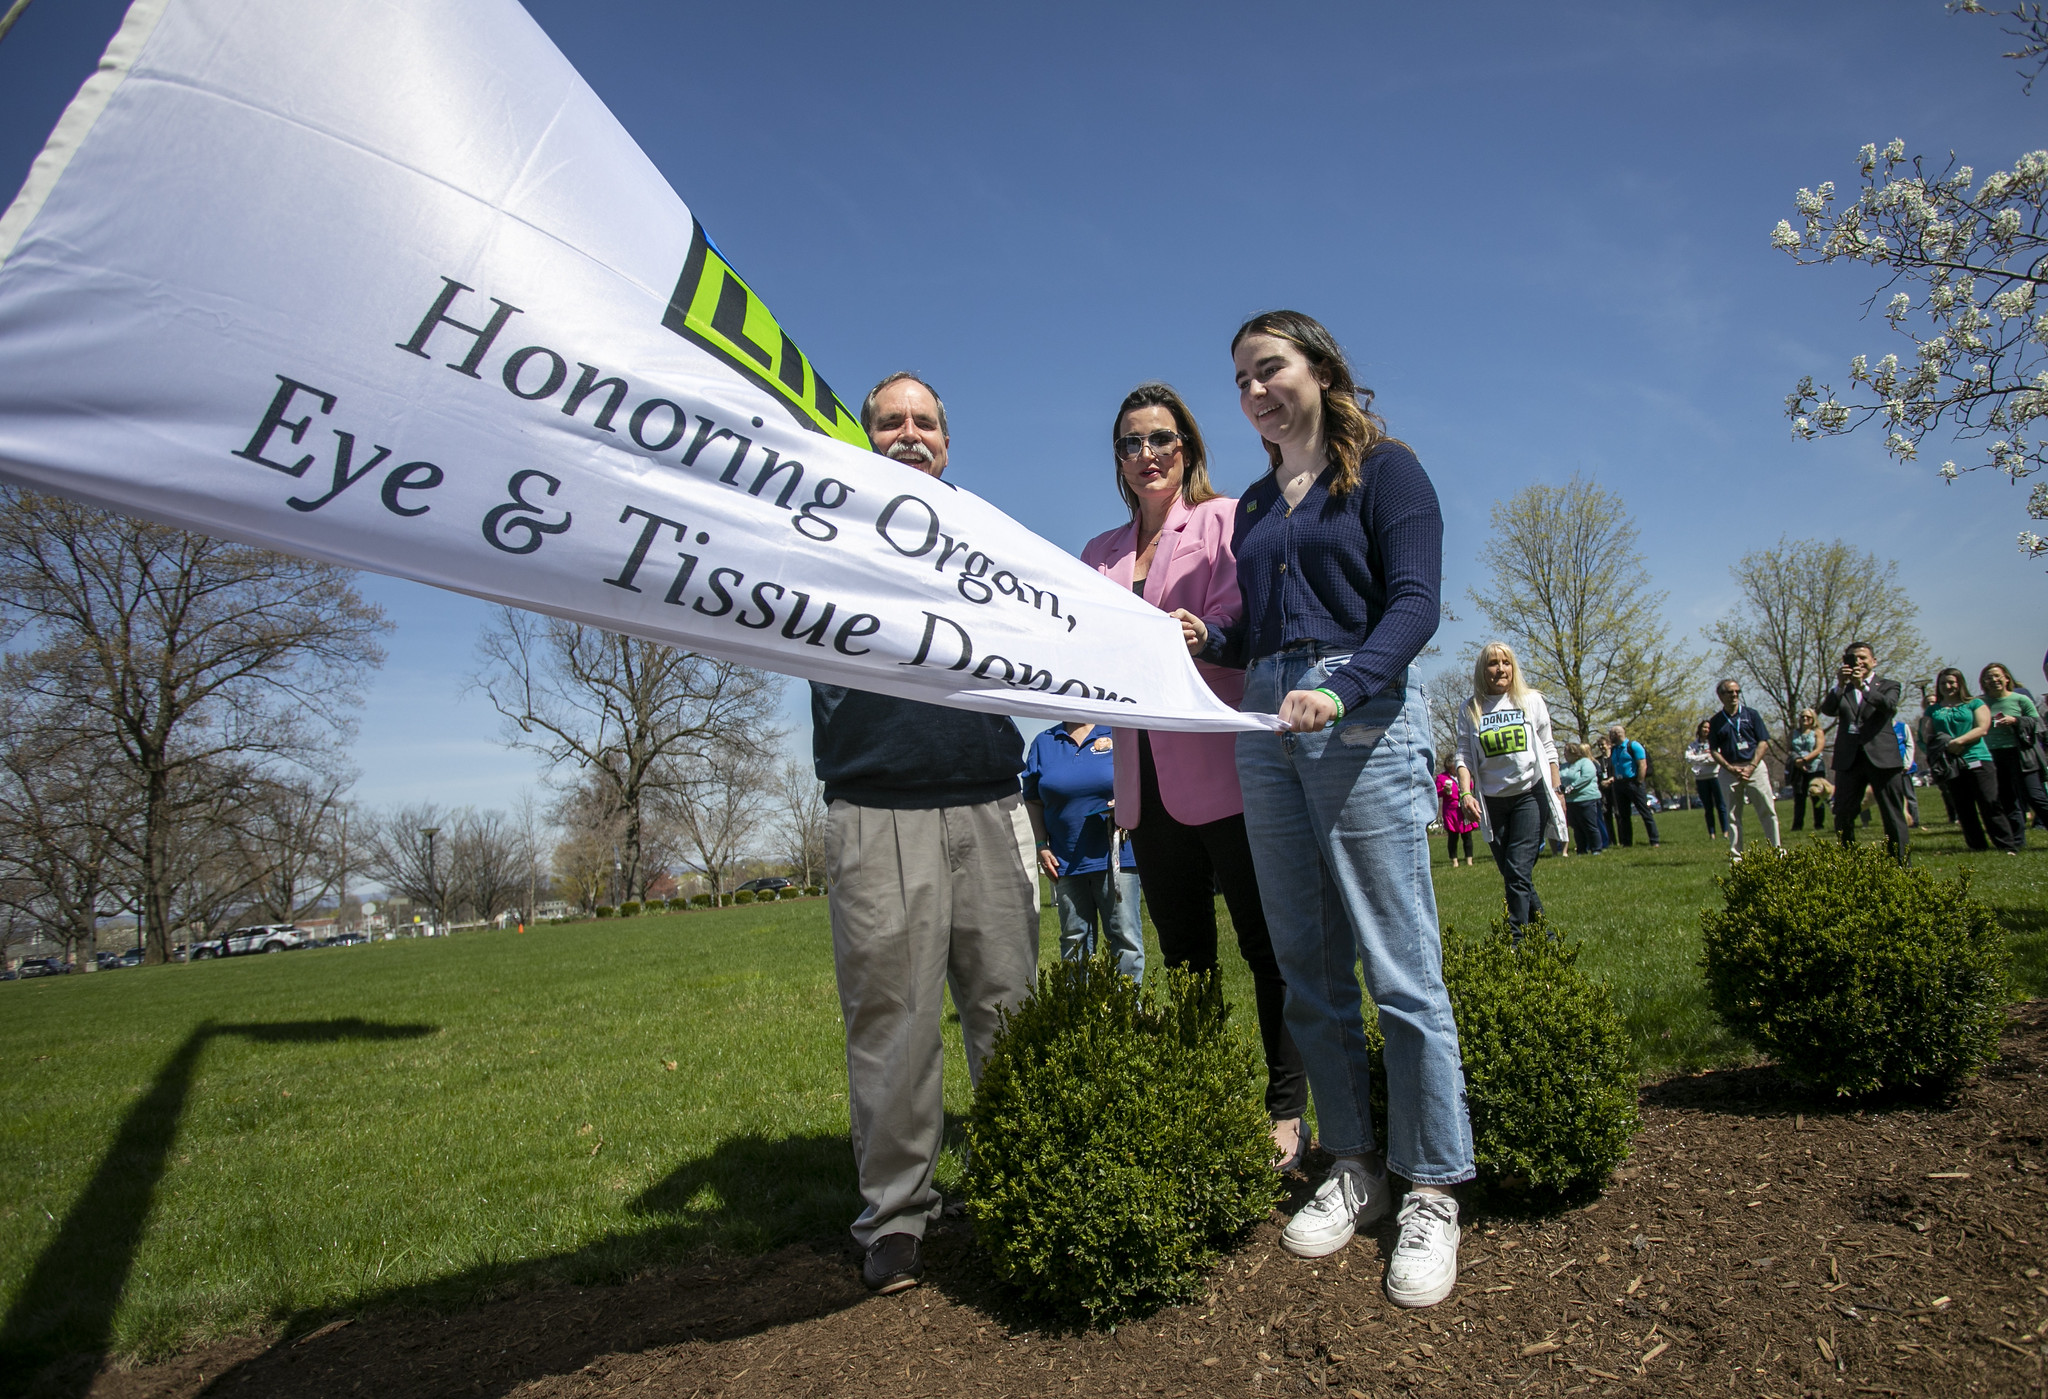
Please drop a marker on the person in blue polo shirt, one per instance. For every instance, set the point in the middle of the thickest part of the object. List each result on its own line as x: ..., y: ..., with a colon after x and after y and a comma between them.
x: 1069, y: 793
x: 1631, y: 767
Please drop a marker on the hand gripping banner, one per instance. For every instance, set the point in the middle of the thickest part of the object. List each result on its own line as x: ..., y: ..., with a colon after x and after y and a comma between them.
x: 385, y: 284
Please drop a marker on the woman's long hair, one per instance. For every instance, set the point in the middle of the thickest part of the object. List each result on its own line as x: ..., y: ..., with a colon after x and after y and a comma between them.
x: 1482, y: 684
x: 1962, y: 682
x: 1194, y: 481
x: 1350, y: 427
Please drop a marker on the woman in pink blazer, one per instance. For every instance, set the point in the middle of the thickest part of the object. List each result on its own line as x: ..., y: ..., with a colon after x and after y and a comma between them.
x: 1177, y: 793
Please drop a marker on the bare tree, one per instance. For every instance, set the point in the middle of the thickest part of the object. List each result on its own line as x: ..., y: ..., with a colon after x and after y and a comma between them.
x: 485, y: 876
x: 190, y: 653
x: 718, y: 803
x: 1448, y: 691
x: 531, y: 833
x: 1571, y: 593
x: 65, y: 804
x: 618, y: 712
x: 286, y: 836
x: 1802, y: 602
x: 397, y: 852
x: 799, y: 799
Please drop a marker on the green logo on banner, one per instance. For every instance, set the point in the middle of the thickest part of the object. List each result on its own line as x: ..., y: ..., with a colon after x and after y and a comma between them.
x: 714, y: 307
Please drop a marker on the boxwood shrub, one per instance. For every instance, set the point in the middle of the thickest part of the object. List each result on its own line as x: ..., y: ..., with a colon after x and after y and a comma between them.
x: 1117, y: 1143
x: 678, y: 905
x: 744, y: 896
x: 1550, y: 1078
x: 630, y: 909
x: 700, y: 901
x: 605, y: 910
x: 1857, y: 976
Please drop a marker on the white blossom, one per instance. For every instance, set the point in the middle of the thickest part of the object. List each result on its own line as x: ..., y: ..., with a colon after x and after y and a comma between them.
x: 1866, y: 159
x: 1784, y: 236
x: 1896, y: 151
x: 1900, y: 305
x: 1948, y: 471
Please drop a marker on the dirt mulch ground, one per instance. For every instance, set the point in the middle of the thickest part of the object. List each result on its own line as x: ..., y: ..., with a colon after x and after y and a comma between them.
x: 1756, y: 1244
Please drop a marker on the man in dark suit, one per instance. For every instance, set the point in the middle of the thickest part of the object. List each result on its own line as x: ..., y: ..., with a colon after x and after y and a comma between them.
x: 1866, y: 750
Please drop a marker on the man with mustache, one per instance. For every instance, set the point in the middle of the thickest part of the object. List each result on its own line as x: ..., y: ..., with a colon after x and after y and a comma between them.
x: 926, y: 888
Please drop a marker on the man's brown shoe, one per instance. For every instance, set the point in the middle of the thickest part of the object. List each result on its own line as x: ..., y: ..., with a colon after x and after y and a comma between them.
x: 894, y: 1262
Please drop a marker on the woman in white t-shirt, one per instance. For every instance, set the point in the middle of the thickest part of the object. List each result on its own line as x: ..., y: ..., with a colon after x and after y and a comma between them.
x: 1507, y: 768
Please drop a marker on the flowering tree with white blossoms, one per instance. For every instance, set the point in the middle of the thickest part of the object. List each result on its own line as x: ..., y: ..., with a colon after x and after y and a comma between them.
x: 1972, y: 260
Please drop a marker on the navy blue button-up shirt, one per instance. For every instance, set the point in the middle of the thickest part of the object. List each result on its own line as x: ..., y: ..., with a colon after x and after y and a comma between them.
x: 1362, y: 572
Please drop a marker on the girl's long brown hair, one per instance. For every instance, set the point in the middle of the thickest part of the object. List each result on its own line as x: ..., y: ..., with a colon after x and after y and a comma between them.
x: 1350, y: 427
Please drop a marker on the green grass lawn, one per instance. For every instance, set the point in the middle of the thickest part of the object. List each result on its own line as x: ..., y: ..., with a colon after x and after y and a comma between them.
x: 194, y: 1149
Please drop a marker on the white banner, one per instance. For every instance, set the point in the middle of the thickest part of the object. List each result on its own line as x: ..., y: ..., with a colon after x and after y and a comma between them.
x: 386, y: 284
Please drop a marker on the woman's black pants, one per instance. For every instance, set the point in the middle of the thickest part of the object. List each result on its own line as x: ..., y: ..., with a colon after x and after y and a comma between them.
x: 1714, y: 802
x: 1517, y: 822
x: 1800, y: 779
x: 1182, y: 869
x: 1973, y: 797
x: 2019, y: 790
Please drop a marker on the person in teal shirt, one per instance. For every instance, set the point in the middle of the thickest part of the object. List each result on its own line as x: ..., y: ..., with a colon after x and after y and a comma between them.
x: 2014, y: 743
x: 1581, y: 783
x: 1962, y: 764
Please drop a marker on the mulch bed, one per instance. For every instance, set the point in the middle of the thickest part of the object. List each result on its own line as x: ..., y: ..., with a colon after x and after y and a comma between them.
x: 1756, y: 1243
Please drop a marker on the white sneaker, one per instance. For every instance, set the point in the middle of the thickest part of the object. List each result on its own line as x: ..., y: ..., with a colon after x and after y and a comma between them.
x: 1349, y: 1198
x: 1424, y: 1266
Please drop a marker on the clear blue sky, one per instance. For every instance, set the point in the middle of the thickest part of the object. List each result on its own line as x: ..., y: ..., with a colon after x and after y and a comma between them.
x: 1542, y: 232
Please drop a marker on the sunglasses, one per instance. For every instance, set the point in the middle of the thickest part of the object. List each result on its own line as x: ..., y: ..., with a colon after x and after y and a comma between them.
x: 1161, y: 442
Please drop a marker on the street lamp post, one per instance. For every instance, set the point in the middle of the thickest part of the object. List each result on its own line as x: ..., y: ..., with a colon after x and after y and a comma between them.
x: 433, y: 888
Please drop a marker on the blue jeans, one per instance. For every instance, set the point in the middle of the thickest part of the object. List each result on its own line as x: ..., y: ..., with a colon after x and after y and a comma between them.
x: 1338, y: 827
x: 1084, y: 900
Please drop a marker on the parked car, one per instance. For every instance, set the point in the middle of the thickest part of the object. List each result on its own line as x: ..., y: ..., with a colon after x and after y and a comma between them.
x: 765, y: 884
x: 264, y: 937
x: 44, y: 966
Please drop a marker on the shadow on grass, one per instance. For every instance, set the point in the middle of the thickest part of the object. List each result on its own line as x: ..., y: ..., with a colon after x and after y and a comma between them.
x: 743, y: 1240
x: 65, y: 1309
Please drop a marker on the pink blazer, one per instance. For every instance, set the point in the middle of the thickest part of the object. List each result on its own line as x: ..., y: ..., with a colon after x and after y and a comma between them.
x: 1192, y: 568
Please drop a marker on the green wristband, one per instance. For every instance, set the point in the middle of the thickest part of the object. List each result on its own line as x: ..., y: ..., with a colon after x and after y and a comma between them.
x: 1333, y: 700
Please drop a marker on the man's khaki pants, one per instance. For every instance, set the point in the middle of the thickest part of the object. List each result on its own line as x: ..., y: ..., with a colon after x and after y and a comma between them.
x: 920, y: 900
x: 1757, y: 791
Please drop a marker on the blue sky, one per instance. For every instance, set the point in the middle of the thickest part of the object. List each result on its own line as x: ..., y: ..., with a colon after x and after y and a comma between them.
x: 1542, y: 233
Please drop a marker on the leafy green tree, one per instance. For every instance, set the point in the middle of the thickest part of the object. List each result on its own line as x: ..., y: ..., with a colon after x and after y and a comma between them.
x: 1571, y: 592
x: 1802, y: 602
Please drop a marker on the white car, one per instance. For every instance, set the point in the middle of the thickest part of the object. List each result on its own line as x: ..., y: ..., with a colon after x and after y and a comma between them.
x: 264, y: 937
